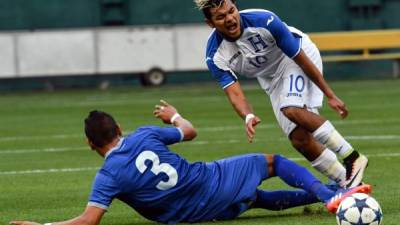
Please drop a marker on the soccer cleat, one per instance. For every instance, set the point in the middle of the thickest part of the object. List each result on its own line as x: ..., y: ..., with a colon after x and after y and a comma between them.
x: 355, y: 171
x: 333, y: 204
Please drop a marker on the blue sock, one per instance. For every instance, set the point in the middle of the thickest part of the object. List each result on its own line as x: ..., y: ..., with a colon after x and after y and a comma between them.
x: 280, y: 200
x: 299, y: 177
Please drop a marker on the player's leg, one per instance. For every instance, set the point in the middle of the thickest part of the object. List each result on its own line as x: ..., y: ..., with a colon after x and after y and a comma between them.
x: 237, y: 179
x: 325, y: 133
x: 355, y: 163
x: 321, y: 158
x: 242, y: 174
x: 283, y: 199
x: 303, y: 141
x: 294, y: 93
x: 299, y: 177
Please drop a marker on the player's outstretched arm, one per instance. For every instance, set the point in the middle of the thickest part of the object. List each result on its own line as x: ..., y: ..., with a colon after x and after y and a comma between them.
x: 91, y: 216
x: 315, y: 75
x: 243, y: 108
x: 169, y: 115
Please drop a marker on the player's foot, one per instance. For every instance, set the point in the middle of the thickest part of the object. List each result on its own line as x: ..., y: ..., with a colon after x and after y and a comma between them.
x: 355, y: 170
x: 333, y: 204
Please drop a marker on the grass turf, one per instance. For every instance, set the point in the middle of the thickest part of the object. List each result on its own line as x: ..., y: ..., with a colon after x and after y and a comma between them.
x: 46, y: 170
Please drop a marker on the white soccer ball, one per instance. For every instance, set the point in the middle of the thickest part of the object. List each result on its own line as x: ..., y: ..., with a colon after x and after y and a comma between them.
x: 359, y: 209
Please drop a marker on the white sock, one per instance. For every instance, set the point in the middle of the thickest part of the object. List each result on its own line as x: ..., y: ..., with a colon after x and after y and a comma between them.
x: 327, y: 134
x: 328, y: 164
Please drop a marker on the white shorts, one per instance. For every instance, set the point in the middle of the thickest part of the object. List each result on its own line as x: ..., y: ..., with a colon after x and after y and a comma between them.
x: 292, y: 87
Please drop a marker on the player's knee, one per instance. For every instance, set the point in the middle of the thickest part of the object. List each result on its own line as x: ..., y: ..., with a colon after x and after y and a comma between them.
x: 274, y: 162
x: 277, y: 159
x: 270, y: 165
x: 300, y: 139
x: 299, y: 143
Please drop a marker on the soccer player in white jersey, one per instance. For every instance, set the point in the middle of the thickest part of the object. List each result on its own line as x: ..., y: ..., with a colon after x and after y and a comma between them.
x: 256, y: 43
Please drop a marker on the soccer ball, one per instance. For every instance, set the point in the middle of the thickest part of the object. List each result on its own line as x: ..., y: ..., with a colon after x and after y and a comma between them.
x: 359, y: 209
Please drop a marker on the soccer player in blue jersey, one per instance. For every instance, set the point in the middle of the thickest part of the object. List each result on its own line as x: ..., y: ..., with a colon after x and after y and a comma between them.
x: 140, y: 170
x: 255, y: 43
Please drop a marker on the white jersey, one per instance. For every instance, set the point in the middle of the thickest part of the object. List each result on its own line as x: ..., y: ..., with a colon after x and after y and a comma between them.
x: 265, y: 51
x: 264, y: 44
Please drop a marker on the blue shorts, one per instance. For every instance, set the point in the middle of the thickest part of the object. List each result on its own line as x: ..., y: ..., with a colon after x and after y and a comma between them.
x: 236, y: 182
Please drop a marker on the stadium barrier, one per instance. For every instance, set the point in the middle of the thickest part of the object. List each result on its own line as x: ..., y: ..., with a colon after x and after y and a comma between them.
x: 360, y: 45
x: 152, y: 51
x: 149, y: 51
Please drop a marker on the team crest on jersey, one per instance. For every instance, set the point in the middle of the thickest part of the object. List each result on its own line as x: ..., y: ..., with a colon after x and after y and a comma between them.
x: 257, y: 42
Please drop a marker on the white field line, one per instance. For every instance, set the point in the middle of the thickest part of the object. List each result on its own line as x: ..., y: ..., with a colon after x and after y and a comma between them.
x: 267, y: 125
x: 57, y: 136
x: 374, y: 137
x: 219, y: 142
x: 108, y: 102
x: 65, y: 170
x: 368, y: 137
x: 382, y: 155
x: 23, y: 151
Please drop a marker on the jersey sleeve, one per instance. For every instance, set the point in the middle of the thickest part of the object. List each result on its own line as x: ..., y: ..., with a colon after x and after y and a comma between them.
x: 225, y: 78
x: 104, y: 191
x: 169, y: 135
x: 286, y: 41
x: 217, y: 65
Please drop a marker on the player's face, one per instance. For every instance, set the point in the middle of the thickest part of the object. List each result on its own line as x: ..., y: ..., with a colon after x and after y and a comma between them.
x: 226, y: 19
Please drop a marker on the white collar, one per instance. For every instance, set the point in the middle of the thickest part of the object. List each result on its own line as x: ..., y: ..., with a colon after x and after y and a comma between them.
x: 116, y: 147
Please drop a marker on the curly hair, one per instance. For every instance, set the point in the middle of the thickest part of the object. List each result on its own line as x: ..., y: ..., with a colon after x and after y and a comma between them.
x: 206, y: 5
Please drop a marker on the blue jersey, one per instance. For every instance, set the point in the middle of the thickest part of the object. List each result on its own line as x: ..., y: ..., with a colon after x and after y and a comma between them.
x: 264, y: 43
x: 162, y: 186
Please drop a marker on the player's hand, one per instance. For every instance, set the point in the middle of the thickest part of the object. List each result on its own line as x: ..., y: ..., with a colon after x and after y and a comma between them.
x: 251, y: 128
x: 164, y: 111
x: 23, y: 223
x: 338, y: 105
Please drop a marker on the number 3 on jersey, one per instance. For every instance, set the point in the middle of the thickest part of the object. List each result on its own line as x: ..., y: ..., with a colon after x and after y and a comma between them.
x: 157, y: 168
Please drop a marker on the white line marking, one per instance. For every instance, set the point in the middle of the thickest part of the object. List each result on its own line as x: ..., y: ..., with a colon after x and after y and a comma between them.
x: 374, y: 137
x: 367, y: 138
x: 218, y: 142
x: 213, y: 142
x: 383, y: 155
x: 22, y: 138
x: 65, y: 170
x: 270, y: 125
x: 23, y: 151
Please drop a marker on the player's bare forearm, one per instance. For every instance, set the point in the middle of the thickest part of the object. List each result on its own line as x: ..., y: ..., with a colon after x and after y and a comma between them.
x: 169, y: 115
x: 189, y: 132
x: 238, y: 100
x: 315, y: 75
x: 243, y: 109
x: 91, y: 216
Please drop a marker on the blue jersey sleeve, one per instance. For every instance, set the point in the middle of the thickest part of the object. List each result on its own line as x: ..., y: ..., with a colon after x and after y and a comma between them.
x: 104, y: 191
x: 285, y: 39
x: 169, y: 135
x: 224, y: 77
x: 217, y: 65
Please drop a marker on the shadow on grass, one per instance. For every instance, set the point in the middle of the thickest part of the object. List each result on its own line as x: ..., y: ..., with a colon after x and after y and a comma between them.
x: 272, y: 218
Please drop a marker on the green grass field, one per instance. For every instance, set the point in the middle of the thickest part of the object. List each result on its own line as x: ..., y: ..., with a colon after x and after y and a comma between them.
x: 46, y: 169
